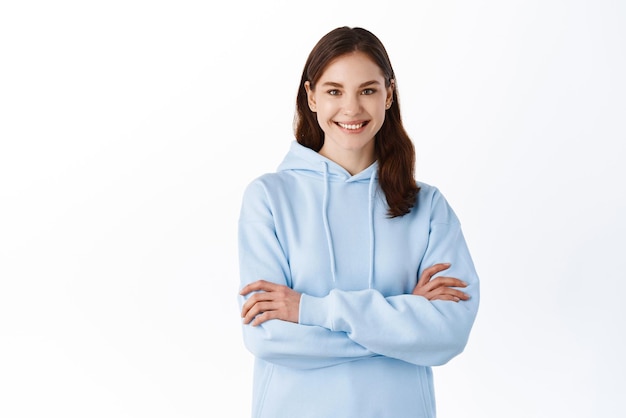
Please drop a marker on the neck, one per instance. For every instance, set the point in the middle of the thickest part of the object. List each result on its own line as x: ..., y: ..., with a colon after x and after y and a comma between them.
x: 351, y: 160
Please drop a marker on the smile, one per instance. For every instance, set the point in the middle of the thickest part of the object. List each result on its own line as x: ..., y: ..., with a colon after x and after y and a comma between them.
x: 351, y: 127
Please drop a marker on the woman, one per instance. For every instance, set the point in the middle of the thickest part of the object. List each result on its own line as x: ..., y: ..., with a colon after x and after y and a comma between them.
x: 341, y: 251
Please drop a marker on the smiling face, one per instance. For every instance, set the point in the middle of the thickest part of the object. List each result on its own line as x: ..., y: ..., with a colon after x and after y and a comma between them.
x: 350, y: 99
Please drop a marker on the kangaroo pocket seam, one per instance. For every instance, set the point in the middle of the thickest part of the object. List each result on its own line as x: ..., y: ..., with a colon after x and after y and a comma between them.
x: 426, y: 392
x: 268, y: 381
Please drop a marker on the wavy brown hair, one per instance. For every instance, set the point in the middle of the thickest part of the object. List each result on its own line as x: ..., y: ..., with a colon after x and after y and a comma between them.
x: 394, y: 149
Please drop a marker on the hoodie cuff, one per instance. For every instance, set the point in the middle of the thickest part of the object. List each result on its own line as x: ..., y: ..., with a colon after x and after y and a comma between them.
x: 315, y: 311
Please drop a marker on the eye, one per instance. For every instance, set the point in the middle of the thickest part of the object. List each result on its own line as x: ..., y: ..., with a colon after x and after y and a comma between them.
x: 334, y: 92
x: 368, y: 92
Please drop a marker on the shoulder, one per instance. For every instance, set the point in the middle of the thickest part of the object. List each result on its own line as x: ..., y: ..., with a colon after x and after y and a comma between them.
x: 426, y: 188
x: 265, y: 184
x: 428, y: 193
x: 431, y: 199
x: 255, y: 205
x: 263, y: 191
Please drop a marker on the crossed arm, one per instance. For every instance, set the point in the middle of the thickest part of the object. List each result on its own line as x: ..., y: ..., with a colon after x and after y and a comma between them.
x: 275, y: 301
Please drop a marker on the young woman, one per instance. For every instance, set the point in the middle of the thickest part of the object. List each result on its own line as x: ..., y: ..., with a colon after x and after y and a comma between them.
x: 355, y: 278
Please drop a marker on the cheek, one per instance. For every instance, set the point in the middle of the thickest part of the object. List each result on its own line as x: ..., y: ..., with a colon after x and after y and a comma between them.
x: 378, y: 111
x: 323, y: 116
x: 326, y: 110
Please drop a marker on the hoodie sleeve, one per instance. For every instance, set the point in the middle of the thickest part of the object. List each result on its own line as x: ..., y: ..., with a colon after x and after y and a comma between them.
x: 261, y: 256
x: 408, y: 327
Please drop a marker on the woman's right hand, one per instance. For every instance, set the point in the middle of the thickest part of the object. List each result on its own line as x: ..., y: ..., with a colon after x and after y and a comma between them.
x: 439, y: 288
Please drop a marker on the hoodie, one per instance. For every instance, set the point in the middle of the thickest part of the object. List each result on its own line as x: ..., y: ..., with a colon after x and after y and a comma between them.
x: 364, y: 345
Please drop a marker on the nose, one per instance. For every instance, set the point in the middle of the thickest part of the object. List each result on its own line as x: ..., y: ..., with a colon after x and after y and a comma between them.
x: 351, y: 105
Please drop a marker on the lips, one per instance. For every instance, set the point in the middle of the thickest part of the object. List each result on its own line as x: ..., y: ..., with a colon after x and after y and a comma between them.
x: 351, y: 126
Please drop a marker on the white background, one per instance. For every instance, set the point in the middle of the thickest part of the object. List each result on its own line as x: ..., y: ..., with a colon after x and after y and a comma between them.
x: 130, y: 128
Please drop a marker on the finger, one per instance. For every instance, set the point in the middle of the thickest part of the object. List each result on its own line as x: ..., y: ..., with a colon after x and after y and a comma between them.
x: 449, y: 291
x: 431, y: 271
x: 445, y: 297
x: 265, y: 316
x: 443, y: 281
x: 254, y: 286
x: 258, y: 309
x: 254, y: 299
x: 258, y: 285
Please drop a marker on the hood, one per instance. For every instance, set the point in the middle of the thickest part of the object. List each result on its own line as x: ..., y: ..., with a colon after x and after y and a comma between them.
x: 301, y: 158
x: 308, y: 162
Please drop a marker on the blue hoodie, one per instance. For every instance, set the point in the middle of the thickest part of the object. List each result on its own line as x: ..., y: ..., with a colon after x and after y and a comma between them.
x: 364, y: 345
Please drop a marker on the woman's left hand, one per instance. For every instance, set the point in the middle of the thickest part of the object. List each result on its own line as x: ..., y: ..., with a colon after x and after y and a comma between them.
x: 272, y: 301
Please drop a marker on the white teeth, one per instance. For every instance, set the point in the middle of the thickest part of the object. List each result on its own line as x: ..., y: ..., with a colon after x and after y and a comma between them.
x: 344, y: 126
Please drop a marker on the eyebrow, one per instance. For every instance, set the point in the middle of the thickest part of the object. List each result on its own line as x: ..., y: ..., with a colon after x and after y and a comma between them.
x: 367, y: 83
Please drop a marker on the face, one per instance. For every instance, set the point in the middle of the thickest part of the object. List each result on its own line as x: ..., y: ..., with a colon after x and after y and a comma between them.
x: 350, y: 100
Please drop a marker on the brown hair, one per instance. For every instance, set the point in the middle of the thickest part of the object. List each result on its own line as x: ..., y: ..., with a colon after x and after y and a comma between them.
x: 394, y: 150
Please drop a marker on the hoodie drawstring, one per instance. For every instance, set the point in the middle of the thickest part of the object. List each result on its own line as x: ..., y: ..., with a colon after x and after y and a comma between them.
x: 329, y: 239
x: 370, y: 281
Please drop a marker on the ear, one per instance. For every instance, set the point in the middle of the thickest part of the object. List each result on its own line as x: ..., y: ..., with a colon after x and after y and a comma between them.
x: 390, y: 89
x: 310, y: 94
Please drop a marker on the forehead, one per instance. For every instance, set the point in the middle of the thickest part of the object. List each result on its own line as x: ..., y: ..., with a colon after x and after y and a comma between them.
x: 352, y: 68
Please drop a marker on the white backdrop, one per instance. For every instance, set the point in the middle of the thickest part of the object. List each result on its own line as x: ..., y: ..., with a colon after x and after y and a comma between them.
x: 130, y: 128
